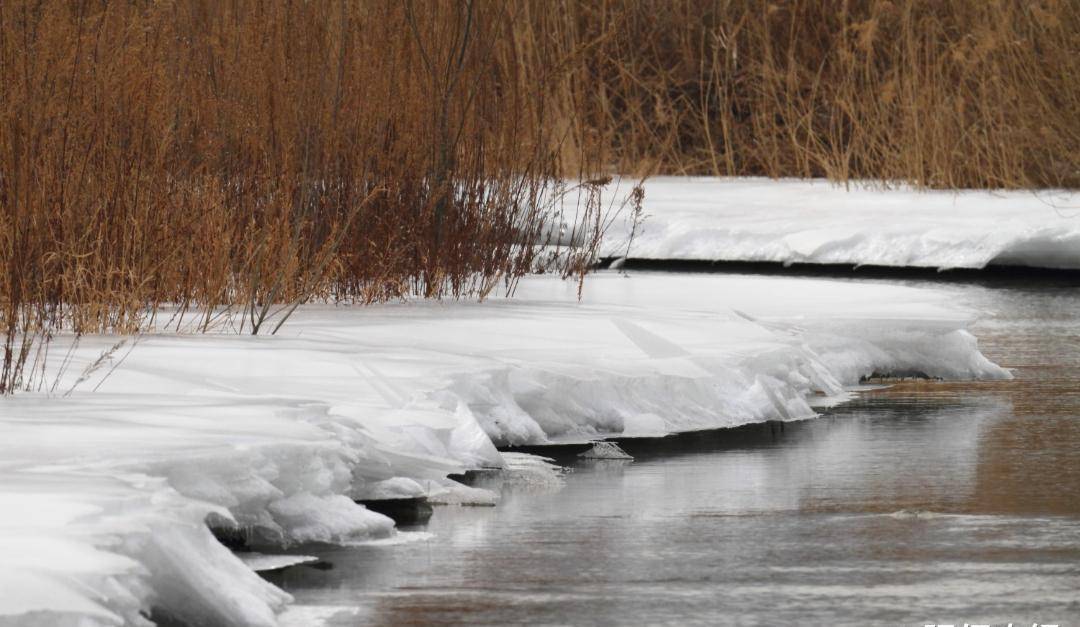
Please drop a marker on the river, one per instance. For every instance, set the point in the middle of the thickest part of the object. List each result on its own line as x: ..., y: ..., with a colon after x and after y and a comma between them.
x: 922, y: 503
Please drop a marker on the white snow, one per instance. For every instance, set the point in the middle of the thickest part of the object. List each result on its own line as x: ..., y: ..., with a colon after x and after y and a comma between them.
x: 799, y: 221
x: 105, y: 485
x: 393, y: 488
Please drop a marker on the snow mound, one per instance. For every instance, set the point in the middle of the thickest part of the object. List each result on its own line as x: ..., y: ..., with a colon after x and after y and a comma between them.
x: 88, y: 549
x: 799, y: 221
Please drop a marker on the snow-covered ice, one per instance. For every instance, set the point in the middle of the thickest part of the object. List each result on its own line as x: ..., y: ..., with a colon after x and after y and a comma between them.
x: 105, y: 484
x: 798, y: 221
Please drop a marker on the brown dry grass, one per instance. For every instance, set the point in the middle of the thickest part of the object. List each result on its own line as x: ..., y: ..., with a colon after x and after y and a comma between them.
x: 248, y: 155
x: 957, y: 94
x: 252, y: 155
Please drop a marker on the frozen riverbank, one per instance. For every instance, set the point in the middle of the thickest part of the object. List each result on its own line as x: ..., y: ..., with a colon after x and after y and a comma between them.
x: 921, y: 503
x: 794, y: 221
x: 107, y: 482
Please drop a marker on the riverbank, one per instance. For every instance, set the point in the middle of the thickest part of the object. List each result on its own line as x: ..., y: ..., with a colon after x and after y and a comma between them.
x: 932, y: 502
x: 133, y: 447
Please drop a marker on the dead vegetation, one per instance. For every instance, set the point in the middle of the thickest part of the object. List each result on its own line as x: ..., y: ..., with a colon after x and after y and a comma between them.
x: 247, y: 156
x: 238, y: 158
x: 958, y: 94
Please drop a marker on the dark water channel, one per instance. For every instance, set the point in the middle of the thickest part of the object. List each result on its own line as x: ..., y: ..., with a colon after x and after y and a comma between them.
x: 919, y: 504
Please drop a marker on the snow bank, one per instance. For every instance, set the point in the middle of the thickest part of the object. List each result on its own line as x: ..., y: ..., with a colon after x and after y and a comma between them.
x: 105, y: 484
x: 721, y: 351
x: 793, y: 221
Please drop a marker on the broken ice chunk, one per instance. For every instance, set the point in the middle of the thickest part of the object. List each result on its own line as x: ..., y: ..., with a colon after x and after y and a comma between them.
x: 605, y: 450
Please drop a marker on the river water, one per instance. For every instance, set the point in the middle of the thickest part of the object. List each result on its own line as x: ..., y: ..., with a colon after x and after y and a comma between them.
x: 918, y: 504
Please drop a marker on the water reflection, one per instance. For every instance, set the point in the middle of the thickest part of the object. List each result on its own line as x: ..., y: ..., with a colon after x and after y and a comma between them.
x: 918, y: 504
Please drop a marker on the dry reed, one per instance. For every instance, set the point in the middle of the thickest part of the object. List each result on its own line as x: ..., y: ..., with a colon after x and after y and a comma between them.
x: 245, y: 156
x: 249, y: 156
x: 958, y: 94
